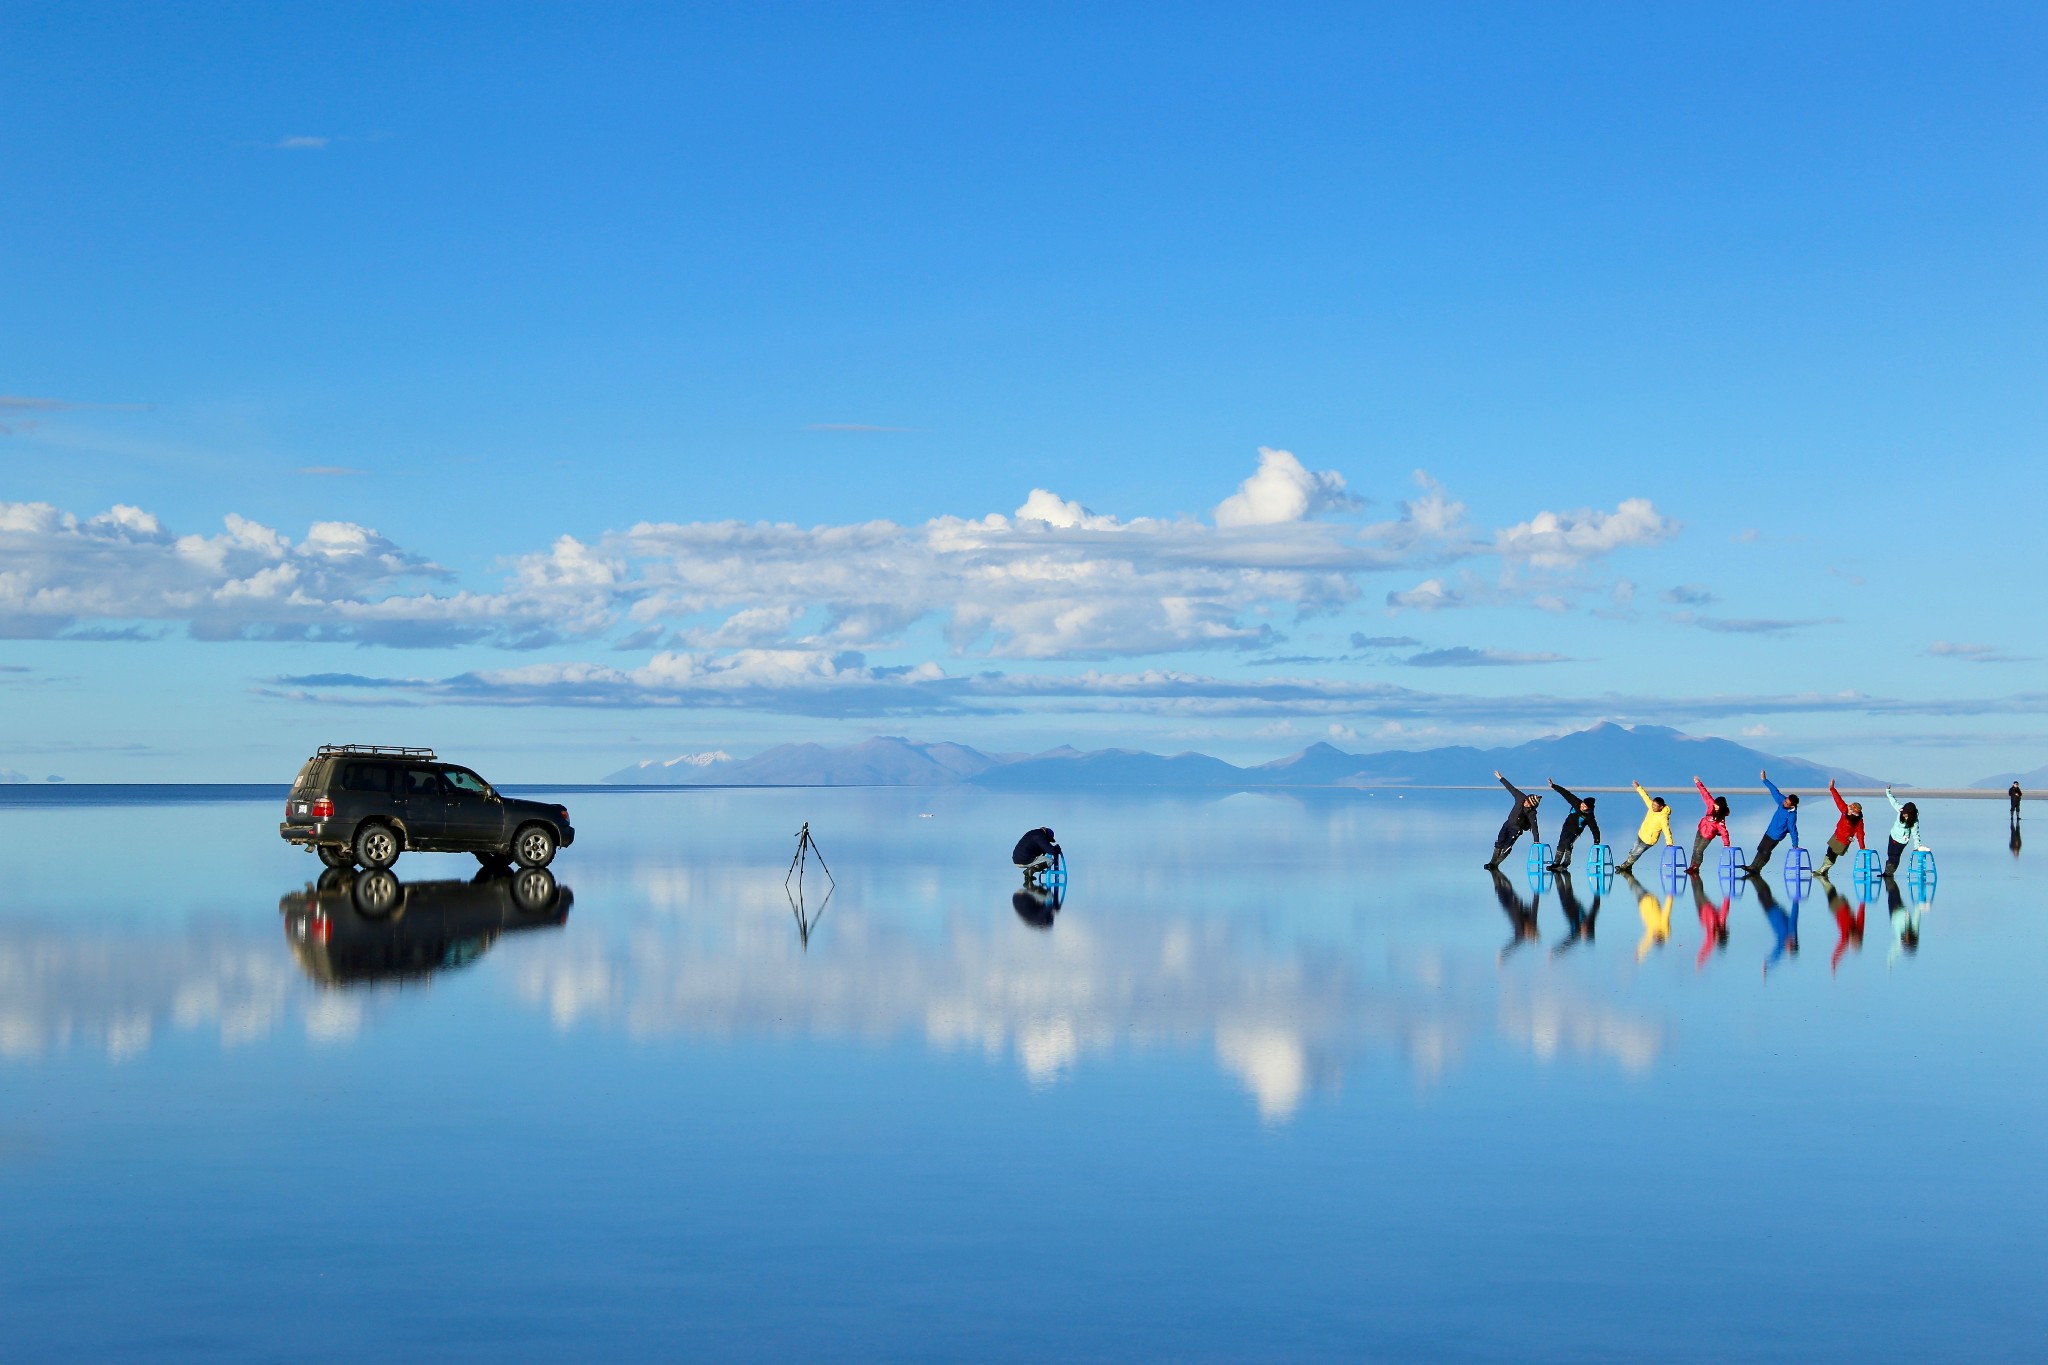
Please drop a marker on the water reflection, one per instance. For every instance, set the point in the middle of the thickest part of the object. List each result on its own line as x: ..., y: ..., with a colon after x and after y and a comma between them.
x: 1521, y: 913
x: 1906, y: 914
x: 351, y: 927
x: 1655, y: 912
x: 1784, y: 923
x: 1037, y: 905
x: 1848, y: 923
x: 1713, y: 920
x: 1579, y: 922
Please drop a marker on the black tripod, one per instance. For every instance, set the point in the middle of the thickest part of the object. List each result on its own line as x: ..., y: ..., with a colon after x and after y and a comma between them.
x: 806, y: 849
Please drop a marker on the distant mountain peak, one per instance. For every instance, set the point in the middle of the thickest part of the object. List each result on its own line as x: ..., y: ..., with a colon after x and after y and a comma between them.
x: 1606, y: 754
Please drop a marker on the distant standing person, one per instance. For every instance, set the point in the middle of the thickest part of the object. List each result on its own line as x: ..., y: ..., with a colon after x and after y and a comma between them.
x: 1784, y: 825
x: 1579, y: 817
x: 1521, y: 818
x: 1848, y: 826
x: 2013, y: 794
x: 1656, y: 821
x: 1713, y: 825
x: 1905, y: 832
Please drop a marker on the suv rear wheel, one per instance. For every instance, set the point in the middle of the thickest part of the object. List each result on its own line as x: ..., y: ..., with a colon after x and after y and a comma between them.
x: 534, y: 846
x: 377, y: 846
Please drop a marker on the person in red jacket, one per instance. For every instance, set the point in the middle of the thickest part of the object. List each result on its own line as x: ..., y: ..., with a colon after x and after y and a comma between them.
x: 1849, y: 826
x: 1714, y: 824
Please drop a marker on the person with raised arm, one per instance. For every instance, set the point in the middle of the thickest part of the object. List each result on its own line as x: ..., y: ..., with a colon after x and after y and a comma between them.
x: 1578, y: 816
x: 1714, y: 824
x: 1905, y: 833
x: 1521, y: 818
x: 1656, y: 821
x: 1849, y: 826
x: 1784, y: 825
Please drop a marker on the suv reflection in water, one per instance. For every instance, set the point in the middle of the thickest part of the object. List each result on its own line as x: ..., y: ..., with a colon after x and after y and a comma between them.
x: 353, y: 927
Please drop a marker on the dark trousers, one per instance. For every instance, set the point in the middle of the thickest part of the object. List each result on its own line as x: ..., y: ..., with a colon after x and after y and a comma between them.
x: 1700, y: 844
x: 1764, y: 848
x: 1893, y: 851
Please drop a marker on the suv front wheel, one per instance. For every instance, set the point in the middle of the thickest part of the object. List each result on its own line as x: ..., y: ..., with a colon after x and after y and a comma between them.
x: 377, y: 846
x: 534, y: 846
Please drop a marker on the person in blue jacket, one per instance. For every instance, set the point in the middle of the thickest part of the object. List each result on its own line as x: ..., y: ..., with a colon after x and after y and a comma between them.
x: 1784, y: 825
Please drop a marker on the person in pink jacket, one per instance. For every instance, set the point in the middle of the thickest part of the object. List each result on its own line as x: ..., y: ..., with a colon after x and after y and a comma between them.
x: 1714, y: 824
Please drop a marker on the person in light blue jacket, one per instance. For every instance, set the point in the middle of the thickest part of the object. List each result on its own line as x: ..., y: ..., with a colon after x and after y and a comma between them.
x: 1784, y: 825
x: 1905, y: 832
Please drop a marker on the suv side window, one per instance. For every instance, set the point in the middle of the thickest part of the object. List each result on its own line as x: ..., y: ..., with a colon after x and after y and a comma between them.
x: 463, y: 780
x: 422, y: 782
x: 365, y: 777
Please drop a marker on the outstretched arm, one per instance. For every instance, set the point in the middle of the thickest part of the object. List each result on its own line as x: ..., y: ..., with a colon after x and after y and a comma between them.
x: 1569, y: 799
x: 1510, y: 786
x: 1776, y: 795
x: 1893, y: 799
x: 1640, y: 792
x: 1705, y: 795
x: 1840, y: 804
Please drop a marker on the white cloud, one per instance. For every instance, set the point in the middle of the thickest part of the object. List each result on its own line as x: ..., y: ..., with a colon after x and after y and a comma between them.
x: 1055, y: 581
x: 1282, y: 490
x: 1428, y: 595
x: 1975, y: 654
x: 1564, y: 540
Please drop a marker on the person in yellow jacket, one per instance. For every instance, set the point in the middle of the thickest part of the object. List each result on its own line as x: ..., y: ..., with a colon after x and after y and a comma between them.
x: 1656, y: 821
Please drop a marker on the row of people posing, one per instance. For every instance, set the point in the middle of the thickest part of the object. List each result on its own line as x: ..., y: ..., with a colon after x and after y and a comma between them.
x: 1580, y: 817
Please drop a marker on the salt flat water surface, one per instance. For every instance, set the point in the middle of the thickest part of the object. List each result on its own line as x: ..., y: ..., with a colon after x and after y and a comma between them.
x: 1281, y: 1079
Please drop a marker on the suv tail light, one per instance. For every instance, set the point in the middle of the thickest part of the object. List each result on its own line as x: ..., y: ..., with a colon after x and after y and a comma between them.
x: 323, y: 809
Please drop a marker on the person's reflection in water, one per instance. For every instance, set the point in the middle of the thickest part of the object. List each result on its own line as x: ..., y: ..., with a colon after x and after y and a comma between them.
x: 1905, y: 920
x: 1577, y: 919
x: 1848, y: 923
x: 1784, y: 926
x: 1713, y: 921
x: 1521, y: 914
x: 1036, y: 906
x: 2014, y: 842
x: 1656, y: 915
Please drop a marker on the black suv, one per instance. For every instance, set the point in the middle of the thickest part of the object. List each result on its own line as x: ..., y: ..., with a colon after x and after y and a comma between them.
x: 365, y: 803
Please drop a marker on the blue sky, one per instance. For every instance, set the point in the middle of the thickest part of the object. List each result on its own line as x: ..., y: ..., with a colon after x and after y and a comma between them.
x: 1622, y: 362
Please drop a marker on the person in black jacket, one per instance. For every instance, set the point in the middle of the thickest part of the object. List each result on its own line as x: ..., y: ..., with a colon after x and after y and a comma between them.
x: 1521, y: 818
x: 1579, y: 817
x: 1035, y: 851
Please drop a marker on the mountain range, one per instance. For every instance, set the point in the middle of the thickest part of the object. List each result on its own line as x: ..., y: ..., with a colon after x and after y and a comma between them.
x: 1606, y: 755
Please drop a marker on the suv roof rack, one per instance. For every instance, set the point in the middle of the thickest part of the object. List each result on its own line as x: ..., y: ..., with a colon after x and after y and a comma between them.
x: 375, y: 750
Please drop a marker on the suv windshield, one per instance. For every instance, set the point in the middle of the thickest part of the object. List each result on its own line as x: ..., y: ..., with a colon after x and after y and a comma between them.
x: 463, y: 780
